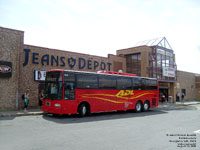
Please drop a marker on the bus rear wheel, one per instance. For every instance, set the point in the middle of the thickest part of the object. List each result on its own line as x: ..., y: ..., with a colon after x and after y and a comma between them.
x: 138, y: 106
x: 83, y: 110
x: 146, y: 106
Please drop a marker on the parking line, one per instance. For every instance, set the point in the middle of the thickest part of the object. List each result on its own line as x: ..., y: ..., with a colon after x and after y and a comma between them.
x: 186, y: 107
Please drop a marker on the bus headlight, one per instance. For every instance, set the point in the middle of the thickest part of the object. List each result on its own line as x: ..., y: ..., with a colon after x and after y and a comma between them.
x: 57, y: 105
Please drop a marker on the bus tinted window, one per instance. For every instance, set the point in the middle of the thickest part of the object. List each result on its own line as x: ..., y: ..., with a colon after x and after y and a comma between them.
x: 87, y: 81
x: 107, y: 82
x: 124, y: 83
x: 138, y: 84
x: 151, y: 84
x: 54, y: 76
x: 69, y: 90
x: 69, y: 77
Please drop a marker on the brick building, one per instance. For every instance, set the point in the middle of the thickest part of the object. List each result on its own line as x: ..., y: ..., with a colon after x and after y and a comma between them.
x: 156, y: 59
x: 21, y: 63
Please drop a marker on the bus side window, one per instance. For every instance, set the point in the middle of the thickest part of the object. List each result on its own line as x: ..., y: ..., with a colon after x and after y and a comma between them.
x: 69, y: 92
x: 151, y: 84
x: 107, y: 82
x: 138, y: 84
x: 142, y: 84
x: 124, y: 83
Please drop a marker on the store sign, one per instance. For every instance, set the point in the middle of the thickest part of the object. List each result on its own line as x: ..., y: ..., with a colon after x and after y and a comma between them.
x: 169, y: 72
x: 5, y: 69
x: 39, y: 75
x: 64, y: 61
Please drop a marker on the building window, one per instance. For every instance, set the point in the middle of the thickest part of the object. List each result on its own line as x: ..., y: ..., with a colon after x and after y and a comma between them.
x: 159, y: 59
x: 133, y: 62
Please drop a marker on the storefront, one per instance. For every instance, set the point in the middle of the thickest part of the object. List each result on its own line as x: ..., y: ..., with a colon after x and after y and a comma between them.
x: 155, y: 59
x: 24, y: 66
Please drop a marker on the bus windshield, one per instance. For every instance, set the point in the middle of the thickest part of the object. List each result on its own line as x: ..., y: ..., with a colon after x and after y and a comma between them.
x: 53, y: 86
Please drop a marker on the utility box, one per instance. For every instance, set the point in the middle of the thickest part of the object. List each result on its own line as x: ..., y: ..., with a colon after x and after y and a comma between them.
x: 170, y: 99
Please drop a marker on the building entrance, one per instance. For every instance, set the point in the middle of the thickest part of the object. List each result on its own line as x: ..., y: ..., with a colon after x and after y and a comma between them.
x: 163, y: 94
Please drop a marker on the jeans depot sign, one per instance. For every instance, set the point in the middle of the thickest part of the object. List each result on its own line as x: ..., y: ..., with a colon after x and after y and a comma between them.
x: 63, y: 61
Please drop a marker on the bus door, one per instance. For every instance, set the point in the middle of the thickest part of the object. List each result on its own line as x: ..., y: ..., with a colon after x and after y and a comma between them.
x: 69, y: 97
x: 69, y: 93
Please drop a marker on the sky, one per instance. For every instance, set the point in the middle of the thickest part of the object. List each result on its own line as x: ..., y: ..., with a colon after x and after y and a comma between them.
x: 100, y: 27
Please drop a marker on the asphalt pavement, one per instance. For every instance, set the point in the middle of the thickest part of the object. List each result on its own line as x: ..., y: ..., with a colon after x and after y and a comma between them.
x: 167, y: 127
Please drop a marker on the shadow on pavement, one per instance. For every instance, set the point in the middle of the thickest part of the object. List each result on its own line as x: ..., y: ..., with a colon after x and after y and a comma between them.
x: 7, y: 118
x: 69, y: 119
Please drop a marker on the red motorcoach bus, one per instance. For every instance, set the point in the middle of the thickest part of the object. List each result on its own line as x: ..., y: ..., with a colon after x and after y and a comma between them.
x: 76, y: 92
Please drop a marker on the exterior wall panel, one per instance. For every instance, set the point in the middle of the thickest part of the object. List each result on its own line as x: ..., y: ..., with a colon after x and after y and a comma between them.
x: 144, y: 50
x: 197, y: 80
x: 186, y: 81
x: 11, y: 41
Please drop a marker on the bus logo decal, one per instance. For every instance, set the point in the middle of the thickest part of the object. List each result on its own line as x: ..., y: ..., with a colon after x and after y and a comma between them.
x: 123, y: 93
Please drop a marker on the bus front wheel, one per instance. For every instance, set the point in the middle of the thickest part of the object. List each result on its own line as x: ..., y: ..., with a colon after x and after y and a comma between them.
x: 83, y: 110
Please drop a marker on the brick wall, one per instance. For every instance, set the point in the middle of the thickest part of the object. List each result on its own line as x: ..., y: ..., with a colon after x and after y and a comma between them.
x: 186, y: 81
x: 197, y: 81
x: 11, y: 41
x: 144, y: 50
x: 118, y: 63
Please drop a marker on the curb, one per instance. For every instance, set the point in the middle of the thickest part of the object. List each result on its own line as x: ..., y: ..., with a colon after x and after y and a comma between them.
x: 178, y: 105
x: 192, y: 103
x: 17, y: 114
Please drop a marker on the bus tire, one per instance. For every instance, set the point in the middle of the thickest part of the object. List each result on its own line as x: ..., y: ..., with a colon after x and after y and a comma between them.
x: 138, y: 106
x: 146, y: 106
x: 83, y: 110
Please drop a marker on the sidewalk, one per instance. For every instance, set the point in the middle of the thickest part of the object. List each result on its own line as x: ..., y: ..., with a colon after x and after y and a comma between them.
x: 189, y: 103
x: 179, y: 103
x: 186, y: 103
x: 15, y: 113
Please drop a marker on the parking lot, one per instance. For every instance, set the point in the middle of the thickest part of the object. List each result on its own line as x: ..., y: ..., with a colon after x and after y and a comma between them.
x: 160, y: 128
